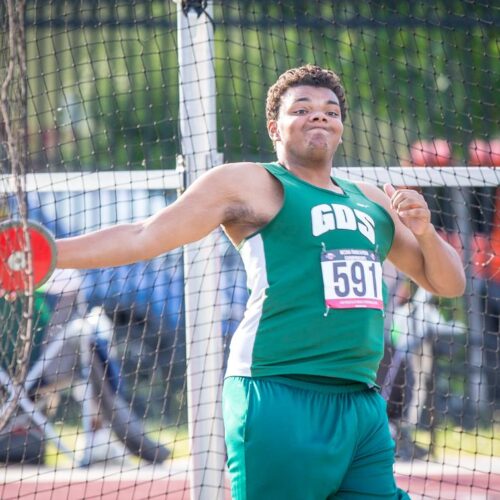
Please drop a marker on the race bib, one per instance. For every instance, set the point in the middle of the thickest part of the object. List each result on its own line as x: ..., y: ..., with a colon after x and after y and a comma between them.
x: 352, y: 279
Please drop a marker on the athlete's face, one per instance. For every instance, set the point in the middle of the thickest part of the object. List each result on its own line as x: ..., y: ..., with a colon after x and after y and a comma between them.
x: 309, y: 124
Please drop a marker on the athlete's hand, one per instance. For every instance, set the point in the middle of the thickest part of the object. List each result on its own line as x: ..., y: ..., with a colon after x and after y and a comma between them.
x: 411, y: 208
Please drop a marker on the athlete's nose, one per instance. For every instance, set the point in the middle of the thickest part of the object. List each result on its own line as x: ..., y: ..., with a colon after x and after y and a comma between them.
x: 319, y: 116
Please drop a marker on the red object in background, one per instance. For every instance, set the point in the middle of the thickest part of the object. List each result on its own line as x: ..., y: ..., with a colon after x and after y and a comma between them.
x: 483, y: 153
x: 15, y: 260
x: 481, y: 255
x: 436, y: 153
x: 420, y: 153
x: 442, y: 156
x: 494, y: 261
x: 483, y: 258
x: 479, y: 153
x: 495, y: 152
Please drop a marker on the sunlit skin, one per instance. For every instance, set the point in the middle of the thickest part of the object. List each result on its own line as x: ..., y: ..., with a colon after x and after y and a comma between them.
x: 308, y: 132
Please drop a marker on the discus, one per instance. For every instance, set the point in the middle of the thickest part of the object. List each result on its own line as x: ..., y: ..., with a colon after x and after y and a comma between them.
x: 15, y: 257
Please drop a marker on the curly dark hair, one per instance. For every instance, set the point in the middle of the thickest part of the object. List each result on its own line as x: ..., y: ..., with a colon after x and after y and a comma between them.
x: 305, y: 75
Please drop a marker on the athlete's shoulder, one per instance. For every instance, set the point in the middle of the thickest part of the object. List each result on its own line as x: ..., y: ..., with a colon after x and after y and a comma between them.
x: 240, y: 167
x: 246, y: 168
x: 226, y: 174
x: 250, y: 195
x: 374, y: 193
x: 240, y: 175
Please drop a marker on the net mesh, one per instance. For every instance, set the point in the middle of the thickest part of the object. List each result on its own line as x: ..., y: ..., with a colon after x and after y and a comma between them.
x: 105, y: 376
x: 18, y: 322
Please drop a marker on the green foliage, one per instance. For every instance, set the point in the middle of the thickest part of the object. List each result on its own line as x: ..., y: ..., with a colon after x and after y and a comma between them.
x: 103, y: 93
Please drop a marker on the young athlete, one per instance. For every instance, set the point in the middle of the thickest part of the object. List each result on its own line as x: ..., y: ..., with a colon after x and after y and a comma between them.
x: 302, y: 415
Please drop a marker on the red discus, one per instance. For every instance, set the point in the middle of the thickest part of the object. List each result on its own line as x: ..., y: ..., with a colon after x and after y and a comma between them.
x: 14, y: 255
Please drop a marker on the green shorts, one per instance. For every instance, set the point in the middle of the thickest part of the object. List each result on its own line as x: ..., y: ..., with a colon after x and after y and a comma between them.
x: 293, y: 440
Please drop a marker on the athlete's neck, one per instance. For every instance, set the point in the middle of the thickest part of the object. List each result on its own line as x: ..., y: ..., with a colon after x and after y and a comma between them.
x: 319, y: 175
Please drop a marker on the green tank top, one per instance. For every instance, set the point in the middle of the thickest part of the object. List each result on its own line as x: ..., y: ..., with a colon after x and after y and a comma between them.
x: 316, y: 305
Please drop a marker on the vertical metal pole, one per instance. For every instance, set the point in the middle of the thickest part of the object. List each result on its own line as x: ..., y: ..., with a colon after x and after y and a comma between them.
x: 204, y: 345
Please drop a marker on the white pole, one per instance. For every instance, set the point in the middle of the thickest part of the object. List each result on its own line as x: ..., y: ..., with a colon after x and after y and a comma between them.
x: 204, y: 346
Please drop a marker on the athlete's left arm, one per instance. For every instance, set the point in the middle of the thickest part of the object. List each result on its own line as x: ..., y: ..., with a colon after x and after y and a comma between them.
x: 417, y: 249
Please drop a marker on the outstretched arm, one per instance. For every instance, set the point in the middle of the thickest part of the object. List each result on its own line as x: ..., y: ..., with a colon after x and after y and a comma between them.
x: 418, y: 250
x: 194, y: 215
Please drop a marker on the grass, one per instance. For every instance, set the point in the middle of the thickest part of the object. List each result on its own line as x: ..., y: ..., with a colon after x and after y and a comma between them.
x: 454, y: 441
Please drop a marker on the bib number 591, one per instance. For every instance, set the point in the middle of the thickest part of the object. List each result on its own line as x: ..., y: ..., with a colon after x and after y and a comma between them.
x: 352, y: 279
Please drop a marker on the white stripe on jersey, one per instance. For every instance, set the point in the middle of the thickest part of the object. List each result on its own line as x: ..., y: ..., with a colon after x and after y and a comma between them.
x: 242, y: 343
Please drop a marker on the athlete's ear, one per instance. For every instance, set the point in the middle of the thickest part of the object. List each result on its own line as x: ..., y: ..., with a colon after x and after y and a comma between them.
x: 272, y: 130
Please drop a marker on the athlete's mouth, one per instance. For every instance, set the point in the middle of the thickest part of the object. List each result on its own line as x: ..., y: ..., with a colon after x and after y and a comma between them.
x: 318, y: 128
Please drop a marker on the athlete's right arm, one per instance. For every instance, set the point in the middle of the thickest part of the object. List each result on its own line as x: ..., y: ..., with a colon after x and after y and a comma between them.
x: 197, y: 212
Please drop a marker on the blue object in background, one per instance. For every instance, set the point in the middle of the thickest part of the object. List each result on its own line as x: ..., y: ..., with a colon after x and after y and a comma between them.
x: 153, y: 289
